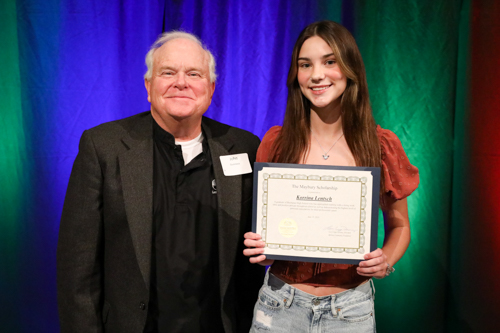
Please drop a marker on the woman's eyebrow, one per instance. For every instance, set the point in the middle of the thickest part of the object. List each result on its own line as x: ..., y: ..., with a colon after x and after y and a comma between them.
x: 325, y: 56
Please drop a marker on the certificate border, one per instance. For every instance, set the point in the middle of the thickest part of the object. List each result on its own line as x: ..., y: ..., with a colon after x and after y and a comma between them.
x: 309, y: 247
x: 375, y: 172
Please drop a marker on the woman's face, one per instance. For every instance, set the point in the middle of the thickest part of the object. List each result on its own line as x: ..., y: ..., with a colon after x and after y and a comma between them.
x: 319, y: 76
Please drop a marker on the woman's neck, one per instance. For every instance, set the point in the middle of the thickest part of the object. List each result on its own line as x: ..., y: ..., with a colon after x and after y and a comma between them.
x: 326, y: 123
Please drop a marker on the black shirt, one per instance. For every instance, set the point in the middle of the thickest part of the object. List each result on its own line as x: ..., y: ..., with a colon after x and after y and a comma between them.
x: 185, y: 283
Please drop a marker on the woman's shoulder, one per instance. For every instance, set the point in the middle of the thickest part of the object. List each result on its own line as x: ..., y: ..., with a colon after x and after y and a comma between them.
x: 267, y: 143
x: 271, y: 134
x: 387, y: 135
x: 401, y: 177
x: 389, y: 142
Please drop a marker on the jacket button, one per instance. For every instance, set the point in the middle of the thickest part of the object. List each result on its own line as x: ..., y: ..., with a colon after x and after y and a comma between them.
x: 142, y: 306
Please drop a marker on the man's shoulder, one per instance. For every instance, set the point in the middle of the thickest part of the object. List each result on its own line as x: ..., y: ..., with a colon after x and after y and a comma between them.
x: 120, y: 126
x: 239, y: 135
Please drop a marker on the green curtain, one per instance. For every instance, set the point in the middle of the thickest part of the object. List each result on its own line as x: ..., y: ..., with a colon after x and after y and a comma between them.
x: 410, y: 49
x: 12, y: 158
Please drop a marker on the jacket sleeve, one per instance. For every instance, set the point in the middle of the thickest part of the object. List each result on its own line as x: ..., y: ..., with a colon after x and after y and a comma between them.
x: 79, y: 249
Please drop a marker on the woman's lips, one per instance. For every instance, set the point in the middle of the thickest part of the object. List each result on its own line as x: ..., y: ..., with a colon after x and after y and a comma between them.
x: 318, y: 90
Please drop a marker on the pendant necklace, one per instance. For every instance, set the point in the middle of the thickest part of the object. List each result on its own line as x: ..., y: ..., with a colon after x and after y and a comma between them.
x: 325, y: 155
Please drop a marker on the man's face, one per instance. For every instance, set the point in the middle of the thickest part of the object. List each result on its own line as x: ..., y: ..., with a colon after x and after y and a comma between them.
x: 180, y: 86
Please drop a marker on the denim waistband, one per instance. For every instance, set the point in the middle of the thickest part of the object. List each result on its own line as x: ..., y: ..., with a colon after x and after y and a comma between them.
x: 332, y: 302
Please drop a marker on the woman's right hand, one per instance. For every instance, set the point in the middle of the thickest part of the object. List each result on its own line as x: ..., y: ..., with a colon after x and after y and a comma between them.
x: 255, y: 246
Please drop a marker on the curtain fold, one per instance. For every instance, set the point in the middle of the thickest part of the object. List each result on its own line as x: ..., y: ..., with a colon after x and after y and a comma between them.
x: 410, y: 53
x: 474, y: 254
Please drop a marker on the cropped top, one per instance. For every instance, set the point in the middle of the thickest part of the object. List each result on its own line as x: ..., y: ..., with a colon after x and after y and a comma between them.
x: 401, y: 179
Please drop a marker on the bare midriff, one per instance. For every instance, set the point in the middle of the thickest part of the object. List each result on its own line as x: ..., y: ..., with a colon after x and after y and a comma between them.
x: 320, y: 290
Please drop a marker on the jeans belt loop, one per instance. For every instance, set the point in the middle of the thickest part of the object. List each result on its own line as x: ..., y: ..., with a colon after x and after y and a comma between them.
x: 332, y: 305
x: 289, y: 300
x: 373, y: 289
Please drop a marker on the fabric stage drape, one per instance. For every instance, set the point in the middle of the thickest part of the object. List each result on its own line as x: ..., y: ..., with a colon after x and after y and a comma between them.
x: 433, y: 73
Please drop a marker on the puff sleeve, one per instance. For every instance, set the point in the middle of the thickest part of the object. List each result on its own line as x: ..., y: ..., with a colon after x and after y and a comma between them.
x: 401, y: 178
x: 267, y: 143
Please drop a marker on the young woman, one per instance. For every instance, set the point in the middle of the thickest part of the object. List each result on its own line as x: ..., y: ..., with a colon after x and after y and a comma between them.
x: 328, y: 121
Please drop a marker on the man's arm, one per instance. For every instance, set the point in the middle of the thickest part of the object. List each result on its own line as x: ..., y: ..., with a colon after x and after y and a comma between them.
x: 79, y: 250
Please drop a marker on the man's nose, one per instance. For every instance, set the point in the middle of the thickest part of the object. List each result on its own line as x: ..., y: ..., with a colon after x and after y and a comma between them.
x: 180, y: 81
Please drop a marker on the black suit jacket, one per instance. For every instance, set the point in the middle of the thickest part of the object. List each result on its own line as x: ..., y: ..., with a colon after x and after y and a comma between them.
x: 104, y: 247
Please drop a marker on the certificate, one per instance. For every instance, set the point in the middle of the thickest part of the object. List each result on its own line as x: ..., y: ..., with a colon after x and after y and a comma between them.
x: 316, y: 213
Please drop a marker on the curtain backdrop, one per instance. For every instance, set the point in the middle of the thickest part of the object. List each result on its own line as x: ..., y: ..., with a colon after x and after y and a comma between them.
x: 410, y: 50
x: 433, y: 73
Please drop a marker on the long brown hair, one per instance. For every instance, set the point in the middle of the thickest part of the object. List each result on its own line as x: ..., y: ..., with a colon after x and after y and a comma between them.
x: 358, y: 124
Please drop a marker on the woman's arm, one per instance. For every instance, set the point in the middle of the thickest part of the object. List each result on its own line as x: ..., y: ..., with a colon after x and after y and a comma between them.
x: 396, y: 241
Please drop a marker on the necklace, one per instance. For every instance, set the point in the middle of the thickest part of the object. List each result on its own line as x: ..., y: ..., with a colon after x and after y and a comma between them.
x: 325, y: 156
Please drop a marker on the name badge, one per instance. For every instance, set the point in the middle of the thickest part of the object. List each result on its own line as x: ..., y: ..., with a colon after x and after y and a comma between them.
x: 237, y: 164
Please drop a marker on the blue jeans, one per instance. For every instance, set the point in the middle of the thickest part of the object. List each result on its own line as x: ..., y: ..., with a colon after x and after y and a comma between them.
x: 283, y: 308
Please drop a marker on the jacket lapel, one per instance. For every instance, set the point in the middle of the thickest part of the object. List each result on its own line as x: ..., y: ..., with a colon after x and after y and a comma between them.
x: 229, y: 206
x: 136, y: 169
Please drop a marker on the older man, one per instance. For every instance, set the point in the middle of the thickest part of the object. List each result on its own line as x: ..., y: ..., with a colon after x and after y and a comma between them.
x: 153, y: 222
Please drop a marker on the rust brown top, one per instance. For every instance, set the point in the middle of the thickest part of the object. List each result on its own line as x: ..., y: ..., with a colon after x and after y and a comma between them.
x: 401, y: 179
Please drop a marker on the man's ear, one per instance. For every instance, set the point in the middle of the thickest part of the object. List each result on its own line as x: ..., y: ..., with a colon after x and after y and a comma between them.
x: 213, y: 89
x: 147, y: 84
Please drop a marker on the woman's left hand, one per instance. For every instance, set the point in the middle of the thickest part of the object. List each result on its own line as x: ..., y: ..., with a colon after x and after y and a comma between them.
x: 375, y: 264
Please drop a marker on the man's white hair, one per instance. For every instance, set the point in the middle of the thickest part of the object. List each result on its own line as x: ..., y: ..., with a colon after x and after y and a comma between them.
x: 168, y: 36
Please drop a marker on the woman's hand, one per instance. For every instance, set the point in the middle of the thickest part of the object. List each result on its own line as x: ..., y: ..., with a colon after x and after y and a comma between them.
x: 375, y: 264
x: 397, y: 238
x: 255, y: 246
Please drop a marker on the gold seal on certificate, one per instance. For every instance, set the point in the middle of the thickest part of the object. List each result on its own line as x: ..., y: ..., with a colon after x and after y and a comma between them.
x: 316, y: 213
x: 288, y: 228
